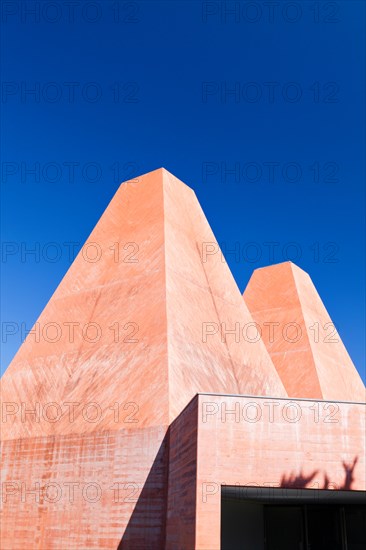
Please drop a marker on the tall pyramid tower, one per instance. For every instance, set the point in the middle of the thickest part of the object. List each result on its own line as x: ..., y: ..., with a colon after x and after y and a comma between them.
x: 118, y: 352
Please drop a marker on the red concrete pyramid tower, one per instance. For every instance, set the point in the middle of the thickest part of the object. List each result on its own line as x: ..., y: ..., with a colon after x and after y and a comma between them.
x: 127, y: 321
x: 301, y: 339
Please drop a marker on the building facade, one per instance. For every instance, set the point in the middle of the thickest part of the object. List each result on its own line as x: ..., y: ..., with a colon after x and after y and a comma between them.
x: 152, y: 406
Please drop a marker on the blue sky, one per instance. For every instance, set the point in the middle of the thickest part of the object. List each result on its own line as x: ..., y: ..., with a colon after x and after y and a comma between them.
x: 258, y: 106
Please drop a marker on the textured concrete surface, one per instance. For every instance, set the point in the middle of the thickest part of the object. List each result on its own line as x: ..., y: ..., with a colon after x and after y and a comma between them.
x: 80, y: 491
x: 99, y: 447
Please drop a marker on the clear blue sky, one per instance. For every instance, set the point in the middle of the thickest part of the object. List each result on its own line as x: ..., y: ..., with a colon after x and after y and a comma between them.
x: 275, y: 91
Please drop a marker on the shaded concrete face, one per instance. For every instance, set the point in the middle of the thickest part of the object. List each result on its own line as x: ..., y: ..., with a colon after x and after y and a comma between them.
x: 201, y: 293
x: 104, y: 444
x: 299, y: 335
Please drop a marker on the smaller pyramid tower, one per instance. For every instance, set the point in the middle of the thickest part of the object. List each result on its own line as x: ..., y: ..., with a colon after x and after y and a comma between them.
x: 299, y: 335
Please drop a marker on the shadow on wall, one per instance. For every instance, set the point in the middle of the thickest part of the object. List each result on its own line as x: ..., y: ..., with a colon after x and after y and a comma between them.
x: 301, y: 481
x: 146, y: 527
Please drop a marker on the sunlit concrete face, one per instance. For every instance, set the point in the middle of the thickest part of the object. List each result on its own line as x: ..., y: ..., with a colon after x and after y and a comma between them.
x: 119, y: 451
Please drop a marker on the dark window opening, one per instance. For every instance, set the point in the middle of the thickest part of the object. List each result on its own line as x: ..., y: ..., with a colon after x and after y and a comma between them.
x: 290, y: 519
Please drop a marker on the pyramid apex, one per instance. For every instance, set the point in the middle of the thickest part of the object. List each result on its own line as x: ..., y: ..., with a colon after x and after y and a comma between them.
x: 282, y: 265
x: 161, y: 172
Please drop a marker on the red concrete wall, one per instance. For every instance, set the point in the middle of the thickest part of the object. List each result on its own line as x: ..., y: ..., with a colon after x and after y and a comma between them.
x: 232, y: 440
x: 103, y: 490
x: 234, y: 449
